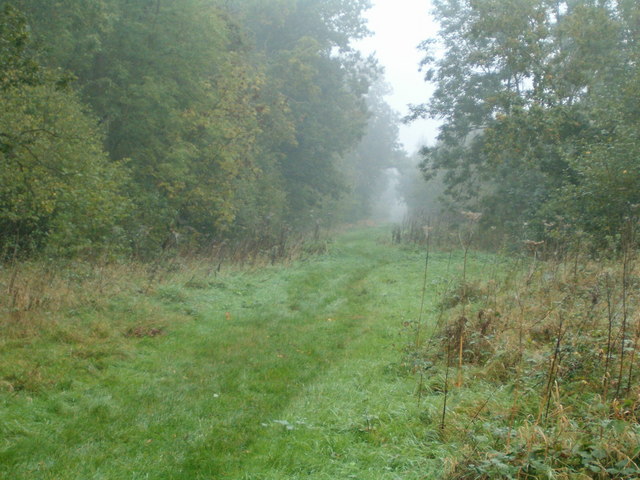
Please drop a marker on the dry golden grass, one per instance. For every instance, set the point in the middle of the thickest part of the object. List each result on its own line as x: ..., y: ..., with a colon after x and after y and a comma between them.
x: 543, y: 368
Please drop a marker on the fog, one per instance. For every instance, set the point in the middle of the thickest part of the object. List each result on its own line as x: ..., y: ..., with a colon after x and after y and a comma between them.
x: 390, y: 206
x: 398, y: 27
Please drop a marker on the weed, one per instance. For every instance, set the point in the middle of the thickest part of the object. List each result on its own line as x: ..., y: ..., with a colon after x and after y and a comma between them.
x: 563, y: 341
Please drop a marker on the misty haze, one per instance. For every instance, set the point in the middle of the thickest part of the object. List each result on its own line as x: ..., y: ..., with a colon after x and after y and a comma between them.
x: 319, y: 239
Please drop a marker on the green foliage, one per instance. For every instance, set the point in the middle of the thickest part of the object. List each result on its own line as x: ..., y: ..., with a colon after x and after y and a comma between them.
x: 304, y: 47
x: 540, y: 376
x: 18, y: 65
x: 606, y: 193
x: 58, y: 189
x: 536, y: 100
x: 232, y: 118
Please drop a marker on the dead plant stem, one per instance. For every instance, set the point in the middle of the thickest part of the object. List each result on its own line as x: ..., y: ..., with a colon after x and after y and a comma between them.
x: 633, y: 355
x: 626, y: 261
x: 553, y: 369
x: 607, y: 363
x: 424, y: 293
x: 446, y: 387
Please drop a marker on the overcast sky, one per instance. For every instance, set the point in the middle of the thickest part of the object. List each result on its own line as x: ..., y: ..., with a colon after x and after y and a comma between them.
x: 399, y: 26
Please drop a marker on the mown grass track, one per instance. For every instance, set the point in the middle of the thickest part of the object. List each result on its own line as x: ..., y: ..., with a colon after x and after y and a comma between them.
x: 276, y: 373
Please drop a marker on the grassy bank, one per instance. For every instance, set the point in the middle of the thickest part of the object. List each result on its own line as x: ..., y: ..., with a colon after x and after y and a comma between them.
x: 348, y: 364
x: 538, y: 370
x: 276, y: 372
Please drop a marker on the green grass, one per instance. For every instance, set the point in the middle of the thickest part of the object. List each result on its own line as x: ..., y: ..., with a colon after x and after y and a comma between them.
x: 281, y: 372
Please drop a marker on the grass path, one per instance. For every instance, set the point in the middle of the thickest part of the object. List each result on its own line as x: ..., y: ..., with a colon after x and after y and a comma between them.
x: 280, y: 373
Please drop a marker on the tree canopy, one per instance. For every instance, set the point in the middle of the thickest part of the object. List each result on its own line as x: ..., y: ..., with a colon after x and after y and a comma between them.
x: 204, y: 117
x: 57, y: 186
x: 539, y: 107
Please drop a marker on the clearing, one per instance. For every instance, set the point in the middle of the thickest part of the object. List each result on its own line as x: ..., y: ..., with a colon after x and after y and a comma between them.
x: 279, y: 372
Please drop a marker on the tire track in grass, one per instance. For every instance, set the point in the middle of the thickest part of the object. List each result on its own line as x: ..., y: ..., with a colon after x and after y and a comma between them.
x: 297, y: 348
x: 355, y: 419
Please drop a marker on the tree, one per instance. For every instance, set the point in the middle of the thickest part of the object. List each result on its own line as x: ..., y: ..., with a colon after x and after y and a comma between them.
x: 18, y: 65
x: 378, y: 150
x: 225, y: 112
x: 57, y: 188
x: 304, y: 46
x: 169, y: 83
x: 517, y: 89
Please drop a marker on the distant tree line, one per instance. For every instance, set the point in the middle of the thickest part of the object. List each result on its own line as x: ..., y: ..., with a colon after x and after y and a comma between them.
x: 123, y: 121
x: 540, y: 102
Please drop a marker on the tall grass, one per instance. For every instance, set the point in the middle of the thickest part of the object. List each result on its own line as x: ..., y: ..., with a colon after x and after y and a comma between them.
x: 549, y: 357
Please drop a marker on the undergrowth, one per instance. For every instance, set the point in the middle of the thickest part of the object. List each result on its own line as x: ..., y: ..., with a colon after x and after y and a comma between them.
x: 93, y: 306
x: 193, y: 367
x: 535, y: 372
